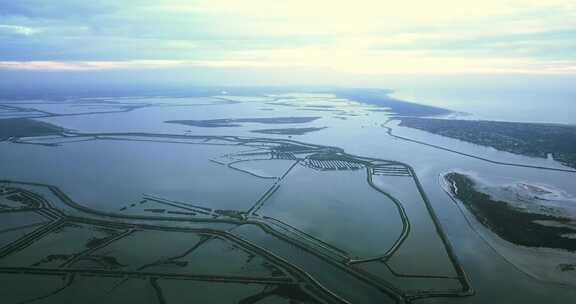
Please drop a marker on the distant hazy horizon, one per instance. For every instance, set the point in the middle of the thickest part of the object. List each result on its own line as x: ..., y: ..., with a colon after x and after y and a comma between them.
x: 522, y: 98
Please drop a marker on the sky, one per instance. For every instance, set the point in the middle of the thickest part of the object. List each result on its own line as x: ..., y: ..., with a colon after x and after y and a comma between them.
x: 237, y: 41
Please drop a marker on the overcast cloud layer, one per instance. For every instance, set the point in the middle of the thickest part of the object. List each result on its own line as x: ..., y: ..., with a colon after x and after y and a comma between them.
x: 356, y: 37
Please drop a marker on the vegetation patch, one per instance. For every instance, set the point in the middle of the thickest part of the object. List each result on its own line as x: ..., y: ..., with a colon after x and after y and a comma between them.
x: 237, y: 122
x: 518, y: 226
x: 530, y: 139
x: 24, y: 127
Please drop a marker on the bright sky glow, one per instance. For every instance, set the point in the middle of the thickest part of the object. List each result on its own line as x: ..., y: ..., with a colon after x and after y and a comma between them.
x: 354, y: 37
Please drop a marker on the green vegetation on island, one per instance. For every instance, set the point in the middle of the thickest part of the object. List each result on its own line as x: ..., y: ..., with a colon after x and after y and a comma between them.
x: 24, y: 127
x: 517, y: 225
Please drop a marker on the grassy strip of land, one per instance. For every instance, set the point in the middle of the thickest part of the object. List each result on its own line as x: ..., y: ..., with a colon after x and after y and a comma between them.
x: 381, y: 98
x: 237, y: 122
x: 530, y: 139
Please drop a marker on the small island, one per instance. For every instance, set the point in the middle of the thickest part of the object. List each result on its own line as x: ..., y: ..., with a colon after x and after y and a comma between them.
x: 504, y: 210
x: 237, y: 122
x: 289, y: 131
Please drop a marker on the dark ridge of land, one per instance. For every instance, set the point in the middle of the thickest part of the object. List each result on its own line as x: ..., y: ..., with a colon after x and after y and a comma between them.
x: 237, y: 122
x: 318, y: 109
x: 530, y: 139
x: 25, y: 127
x: 288, y: 131
x: 399, y: 107
x: 320, y: 106
x: 65, y: 91
x: 515, y: 225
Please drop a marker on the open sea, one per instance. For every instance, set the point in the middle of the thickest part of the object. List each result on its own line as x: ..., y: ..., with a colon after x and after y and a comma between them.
x: 526, y: 105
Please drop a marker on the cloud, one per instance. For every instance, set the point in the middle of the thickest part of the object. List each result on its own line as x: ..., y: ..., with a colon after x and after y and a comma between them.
x: 362, y: 61
x: 88, y: 65
x: 18, y: 30
x: 355, y: 63
x: 361, y: 36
